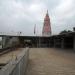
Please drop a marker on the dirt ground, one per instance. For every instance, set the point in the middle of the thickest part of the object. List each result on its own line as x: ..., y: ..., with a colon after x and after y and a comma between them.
x: 49, y: 61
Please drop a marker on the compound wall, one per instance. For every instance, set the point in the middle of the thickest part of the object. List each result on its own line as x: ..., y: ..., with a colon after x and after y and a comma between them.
x: 17, y: 66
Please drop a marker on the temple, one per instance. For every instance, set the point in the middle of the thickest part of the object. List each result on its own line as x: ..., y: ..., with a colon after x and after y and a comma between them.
x: 47, y: 26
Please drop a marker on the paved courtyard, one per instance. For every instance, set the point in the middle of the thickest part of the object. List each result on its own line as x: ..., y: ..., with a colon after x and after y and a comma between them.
x: 49, y: 61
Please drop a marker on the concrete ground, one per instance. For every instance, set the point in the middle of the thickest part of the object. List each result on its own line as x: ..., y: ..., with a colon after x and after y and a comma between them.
x: 49, y: 61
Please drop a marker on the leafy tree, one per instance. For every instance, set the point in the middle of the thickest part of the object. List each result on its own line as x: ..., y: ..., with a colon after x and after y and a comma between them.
x: 65, y: 31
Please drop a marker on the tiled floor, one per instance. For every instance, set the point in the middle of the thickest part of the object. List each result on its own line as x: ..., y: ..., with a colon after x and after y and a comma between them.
x: 48, y: 61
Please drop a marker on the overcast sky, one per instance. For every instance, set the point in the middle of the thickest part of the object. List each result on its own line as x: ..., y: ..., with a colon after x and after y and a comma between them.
x: 21, y: 15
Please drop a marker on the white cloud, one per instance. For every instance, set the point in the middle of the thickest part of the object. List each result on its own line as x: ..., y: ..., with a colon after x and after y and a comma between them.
x: 22, y: 15
x: 62, y: 14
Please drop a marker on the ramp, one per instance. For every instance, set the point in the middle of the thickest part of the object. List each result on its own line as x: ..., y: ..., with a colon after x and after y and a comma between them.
x: 49, y: 61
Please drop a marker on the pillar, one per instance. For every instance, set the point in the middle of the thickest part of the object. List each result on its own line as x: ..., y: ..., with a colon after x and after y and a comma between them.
x: 54, y: 42
x: 49, y: 43
x: 39, y: 42
x: 62, y: 43
x: 74, y: 43
x: 3, y: 41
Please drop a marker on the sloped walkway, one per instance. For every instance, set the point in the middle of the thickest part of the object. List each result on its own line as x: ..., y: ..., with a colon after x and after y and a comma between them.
x: 47, y: 61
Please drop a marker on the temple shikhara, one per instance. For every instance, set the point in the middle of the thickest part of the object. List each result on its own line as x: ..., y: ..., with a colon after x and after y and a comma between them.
x: 47, y: 26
